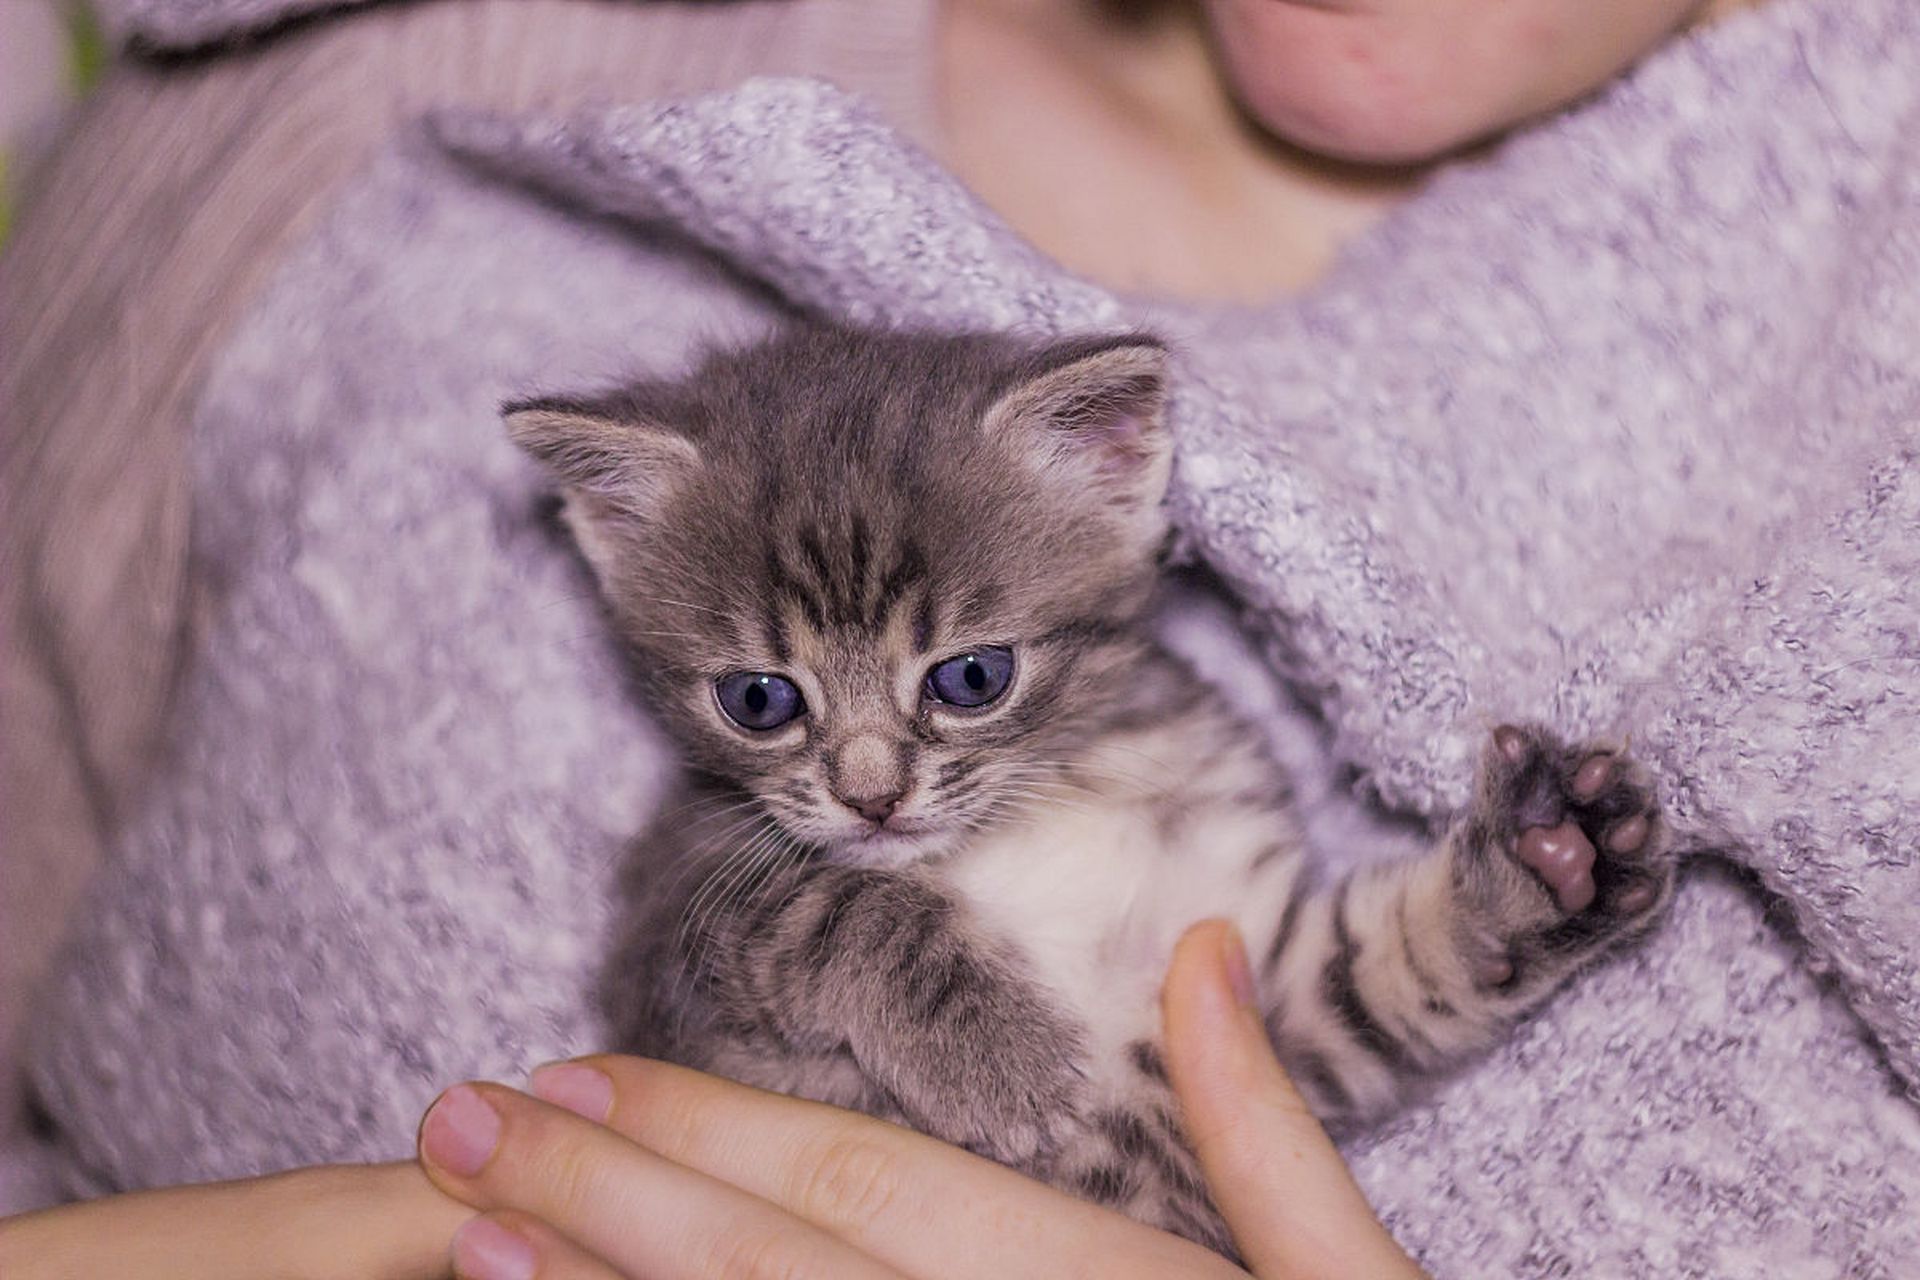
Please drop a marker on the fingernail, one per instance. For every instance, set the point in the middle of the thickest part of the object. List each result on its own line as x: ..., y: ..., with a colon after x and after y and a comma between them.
x: 461, y: 1131
x: 1233, y: 957
x: 579, y: 1088
x: 485, y: 1250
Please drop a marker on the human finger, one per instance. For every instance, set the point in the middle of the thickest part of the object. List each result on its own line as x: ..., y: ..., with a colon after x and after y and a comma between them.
x: 344, y: 1222
x: 1292, y: 1205
x: 918, y: 1204
x: 495, y: 1148
x: 512, y: 1246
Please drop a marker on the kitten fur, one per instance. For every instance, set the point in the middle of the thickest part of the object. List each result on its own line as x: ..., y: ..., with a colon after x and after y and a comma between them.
x: 959, y: 918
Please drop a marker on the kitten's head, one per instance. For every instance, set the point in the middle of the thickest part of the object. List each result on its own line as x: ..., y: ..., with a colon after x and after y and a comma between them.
x: 885, y: 583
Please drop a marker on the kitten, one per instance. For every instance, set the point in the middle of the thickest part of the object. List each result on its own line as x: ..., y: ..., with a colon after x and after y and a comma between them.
x: 951, y: 804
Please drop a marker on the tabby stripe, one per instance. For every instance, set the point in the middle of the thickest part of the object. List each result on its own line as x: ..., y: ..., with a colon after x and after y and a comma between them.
x: 1033, y: 708
x: 957, y: 978
x: 820, y: 944
x: 1188, y: 1222
x: 1267, y: 854
x: 1289, y: 923
x: 775, y: 630
x: 1125, y: 1131
x: 923, y: 622
x: 1169, y: 1127
x: 1132, y: 1140
x: 1082, y: 631
x: 1147, y: 1060
x: 1104, y: 1184
x: 914, y: 954
x: 860, y: 570
x: 1430, y: 989
x: 1343, y: 993
x: 773, y: 908
x: 978, y: 604
x: 1178, y: 1172
x: 783, y: 585
x: 905, y: 754
x: 825, y: 580
x: 1172, y: 1172
x: 954, y: 772
x: 908, y: 567
x: 1308, y: 1065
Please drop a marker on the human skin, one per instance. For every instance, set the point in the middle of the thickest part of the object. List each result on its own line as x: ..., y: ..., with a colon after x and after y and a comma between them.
x: 639, y: 1169
x: 1227, y: 149
x: 1406, y: 81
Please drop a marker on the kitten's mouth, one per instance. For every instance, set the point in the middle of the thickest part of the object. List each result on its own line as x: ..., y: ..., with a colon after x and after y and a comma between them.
x: 889, y: 845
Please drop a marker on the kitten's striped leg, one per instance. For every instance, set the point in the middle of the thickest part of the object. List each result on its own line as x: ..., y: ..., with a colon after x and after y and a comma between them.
x: 1397, y: 973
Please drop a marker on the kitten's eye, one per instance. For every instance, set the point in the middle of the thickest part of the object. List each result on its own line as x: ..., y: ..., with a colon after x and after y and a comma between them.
x: 758, y: 701
x: 972, y: 679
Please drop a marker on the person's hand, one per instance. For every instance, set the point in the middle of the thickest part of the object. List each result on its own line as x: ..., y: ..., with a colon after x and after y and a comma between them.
x: 625, y: 1168
x: 364, y: 1222
x: 694, y: 1176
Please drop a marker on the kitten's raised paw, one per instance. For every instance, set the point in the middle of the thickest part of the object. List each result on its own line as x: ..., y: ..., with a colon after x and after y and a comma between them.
x: 1572, y: 848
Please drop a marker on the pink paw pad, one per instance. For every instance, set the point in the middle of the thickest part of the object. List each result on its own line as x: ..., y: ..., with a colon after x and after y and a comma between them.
x: 1562, y: 857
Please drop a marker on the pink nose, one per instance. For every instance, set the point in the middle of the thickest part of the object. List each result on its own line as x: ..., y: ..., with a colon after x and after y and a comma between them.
x: 873, y: 808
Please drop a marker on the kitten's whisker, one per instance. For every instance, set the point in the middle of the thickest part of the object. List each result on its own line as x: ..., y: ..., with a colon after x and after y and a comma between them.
x: 1031, y: 777
x: 739, y: 822
x: 1161, y: 767
x: 1023, y: 799
x: 746, y: 874
x: 1108, y: 771
x: 688, y: 604
x: 703, y: 800
x: 710, y: 885
x: 784, y: 850
x: 750, y: 802
x: 1048, y: 796
x: 714, y: 893
x: 597, y: 634
x: 1005, y: 802
x: 698, y: 858
x: 567, y: 598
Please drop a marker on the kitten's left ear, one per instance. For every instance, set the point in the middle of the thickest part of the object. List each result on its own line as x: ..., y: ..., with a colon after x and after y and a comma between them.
x: 1092, y: 412
x: 616, y: 463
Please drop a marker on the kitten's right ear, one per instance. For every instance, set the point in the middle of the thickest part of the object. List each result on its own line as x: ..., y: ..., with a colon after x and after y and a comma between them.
x: 615, y: 468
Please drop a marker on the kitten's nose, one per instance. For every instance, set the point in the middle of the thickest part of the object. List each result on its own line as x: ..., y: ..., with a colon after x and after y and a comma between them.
x: 874, y: 808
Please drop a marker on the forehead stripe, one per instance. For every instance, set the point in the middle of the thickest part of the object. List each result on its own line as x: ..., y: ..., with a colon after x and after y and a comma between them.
x: 783, y: 585
x: 923, y: 621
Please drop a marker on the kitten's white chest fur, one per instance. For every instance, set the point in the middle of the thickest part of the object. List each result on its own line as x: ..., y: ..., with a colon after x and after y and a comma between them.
x: 1095, y: 890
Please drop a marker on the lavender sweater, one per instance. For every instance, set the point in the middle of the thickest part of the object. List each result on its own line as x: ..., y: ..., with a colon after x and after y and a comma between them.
x: 1614, y: 429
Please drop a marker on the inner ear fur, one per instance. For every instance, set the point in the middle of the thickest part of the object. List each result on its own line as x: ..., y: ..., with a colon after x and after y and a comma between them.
x: 1096, y: 409
x: 621, y: 459
x: 615, y: 467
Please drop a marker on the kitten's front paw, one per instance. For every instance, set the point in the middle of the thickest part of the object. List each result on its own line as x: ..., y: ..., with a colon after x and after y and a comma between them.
x: 1009, y: 1097
x: 995, y: 1070
x: 1567, y: 852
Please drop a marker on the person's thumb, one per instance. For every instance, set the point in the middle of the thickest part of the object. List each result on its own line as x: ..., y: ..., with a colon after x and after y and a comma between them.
x: 1294, y: 1210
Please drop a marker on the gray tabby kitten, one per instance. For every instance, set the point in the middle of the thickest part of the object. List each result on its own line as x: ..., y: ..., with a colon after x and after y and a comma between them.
x: 952, y: 804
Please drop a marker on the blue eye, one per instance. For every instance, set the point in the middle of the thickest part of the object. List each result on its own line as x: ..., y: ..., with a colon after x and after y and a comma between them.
x: 972, y: 679
x: 758, y: 701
